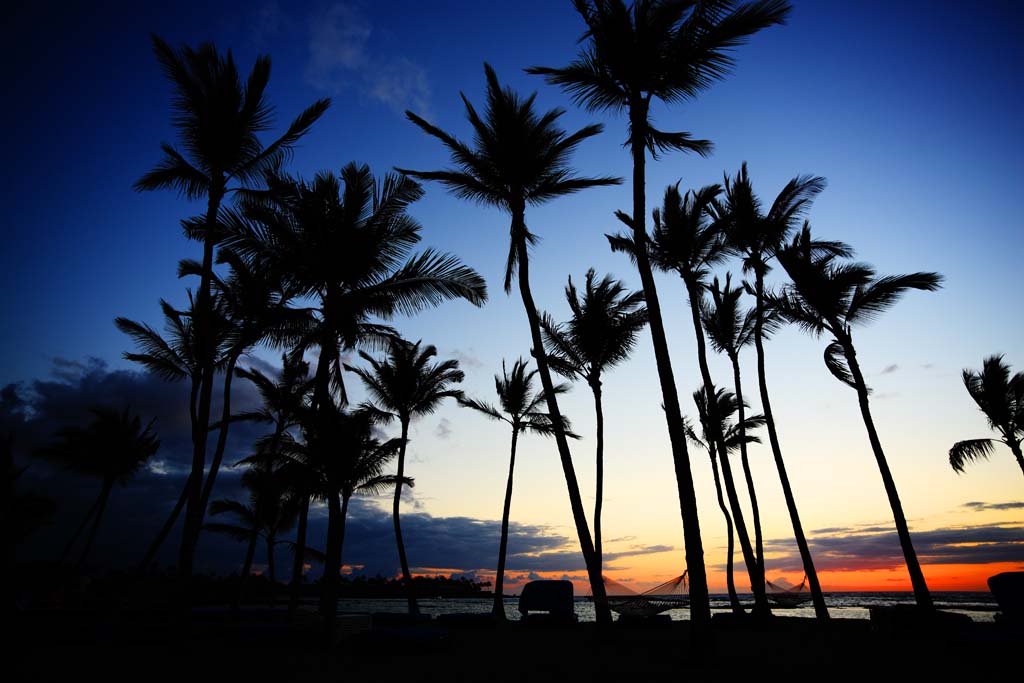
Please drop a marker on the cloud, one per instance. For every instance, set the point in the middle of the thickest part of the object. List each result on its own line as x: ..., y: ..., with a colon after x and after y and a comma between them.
x: 342, y: 56
x: 467, y: 358
x: 978, y: 506
x: 443, y: 430
x: 871, y: 548
x: 889, y: 369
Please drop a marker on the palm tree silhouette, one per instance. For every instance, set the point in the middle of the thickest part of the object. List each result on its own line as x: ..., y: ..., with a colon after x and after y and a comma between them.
x: 219, y: 120
x: 403, y: 386
x: 112, y: 448
x: 520, y: 407
x: 828, y: 296
x: 669, y: 51
x: 735, y: 436
x: 730, y: 329
x: 522, y: 157
x: 272, y: 508
x: 601, y: 333
x: 1001, y: 398
x: 756, y: 237
x: 687, y: 239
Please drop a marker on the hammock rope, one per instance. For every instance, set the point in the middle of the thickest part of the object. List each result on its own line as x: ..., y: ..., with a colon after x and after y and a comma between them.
x: 788, y: 597
x: 673, y: 594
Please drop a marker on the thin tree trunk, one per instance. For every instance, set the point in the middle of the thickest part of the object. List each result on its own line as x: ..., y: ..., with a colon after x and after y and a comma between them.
x: 154, y: 547
x: 599, y: 469
x: 921, y: 593
x: 603, y: 613
x: 78, y: 532
x: 700, y: 606
x: 341, y: 532
x: 299, y: 561
x: 243, y: 579
x: 718, y: 440
x: 206, y: 353
x: 406, y: 575
x: 817, y: 597
x: 102, y: 505
x: 332, y: 565
x: 747, y: 475
x: 222, y: 441
x: 271, y: 574
x: 1015, y: 447
x: 730, y: 581
x: 499, y: 578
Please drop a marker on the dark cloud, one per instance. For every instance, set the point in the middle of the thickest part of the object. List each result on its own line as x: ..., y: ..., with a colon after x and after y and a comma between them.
x: 867, y: 548
x: 467, y: 359
x: 443, y: 430
x: 978, y: 506
x: 889, y: 369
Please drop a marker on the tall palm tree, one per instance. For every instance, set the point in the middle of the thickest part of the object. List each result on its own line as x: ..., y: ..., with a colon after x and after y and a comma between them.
x: 112, y: 448
x: 735, y: 436
x: 601, y: 333
x: 521, y: 157
x: 1001, y: 398
x: 405, y: 385
x: 829, y: 296
x: 756, y: 237
x: 688, y: 240
x: 345, y: 245
x: 521, y: 407
x: 669, y: 51
x: 219, y: 120
x: 272, y: 508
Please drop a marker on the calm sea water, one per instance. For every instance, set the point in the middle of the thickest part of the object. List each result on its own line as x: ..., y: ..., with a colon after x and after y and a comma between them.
x: 979, y: 606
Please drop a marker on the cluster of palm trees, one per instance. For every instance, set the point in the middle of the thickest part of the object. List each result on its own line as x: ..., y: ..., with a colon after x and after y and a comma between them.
x: 319, y: 267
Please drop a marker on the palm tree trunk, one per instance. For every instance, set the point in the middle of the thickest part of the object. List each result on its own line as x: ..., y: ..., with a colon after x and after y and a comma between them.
x: 271, y: 574
x: 299, y: 561
x: 341, y: 531
x: 154, y: 547
x: 499, y: 578
x: 222, y: 440
x: 332, y: 565
x: 754, y: 570
x: 730, y: 581
x: 406, y: 575
x: 921, y: 594
x: 747, y: 475
x: 700, y: 606
x: 206, y: 353
x: 1015, y: 447
x: 101, y: 506
x: 79, y: 530
x: 603, y: 613
x: 243, y: 578
x: 817, y: 597
x: 599, y: 471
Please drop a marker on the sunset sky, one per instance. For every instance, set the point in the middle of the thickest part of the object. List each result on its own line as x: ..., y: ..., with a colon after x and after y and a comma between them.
x: 911, y: 110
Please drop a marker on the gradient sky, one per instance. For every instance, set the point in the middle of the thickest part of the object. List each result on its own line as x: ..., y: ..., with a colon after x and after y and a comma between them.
x: 910, y: 110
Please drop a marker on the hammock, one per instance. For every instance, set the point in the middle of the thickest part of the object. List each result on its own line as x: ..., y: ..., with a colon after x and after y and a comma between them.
x: 788, y: 597
x: 628, y: 603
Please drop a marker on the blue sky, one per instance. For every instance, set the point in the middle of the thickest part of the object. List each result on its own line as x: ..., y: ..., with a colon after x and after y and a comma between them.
x: 910, y: 110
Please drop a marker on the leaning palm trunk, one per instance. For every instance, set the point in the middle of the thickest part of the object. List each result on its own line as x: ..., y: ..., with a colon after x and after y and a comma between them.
x: 921, y: 594
x: 700, y: 606
x: 414, y: 608
x: 101, y: 506
x: 747, y: 475
x: 499, y: 578
x: 222, y: 439
x: 332, y: 565
x: 599, y: 475
x: 597, y: 589
x: 299, y: 561
x: 818, y: 599
x: 1015, y: 448
x: 730, y: 580
x: 271, y: 566
x: 717, y: 439
x: 81, y: 527
x: 243, y: 579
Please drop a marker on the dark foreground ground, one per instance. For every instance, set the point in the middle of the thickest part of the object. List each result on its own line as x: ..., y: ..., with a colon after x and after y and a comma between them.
x: 264, y: 645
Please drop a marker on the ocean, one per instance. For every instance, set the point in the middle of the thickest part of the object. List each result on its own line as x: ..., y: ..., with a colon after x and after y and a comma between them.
x: 980, y: 606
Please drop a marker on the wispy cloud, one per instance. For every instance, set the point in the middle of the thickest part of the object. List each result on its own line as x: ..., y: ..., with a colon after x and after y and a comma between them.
x: 978, y: 506
x: 889, y: 369
x: 343, y: 56
x: 443, y: 430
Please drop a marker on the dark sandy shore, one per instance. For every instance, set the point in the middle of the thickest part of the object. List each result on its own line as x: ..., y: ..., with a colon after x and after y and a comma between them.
x: 265, y: 645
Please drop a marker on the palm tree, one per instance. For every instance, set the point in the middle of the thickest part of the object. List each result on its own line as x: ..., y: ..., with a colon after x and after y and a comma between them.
x: 828, y: 296
x: 730, y: 329
x: 601, y: 333
x: 345, y: 245
x: 219, y: 120
x: 670, y: 51
x: 688, y: 240
x: 403, y: 386
x: 1001, y: 398
x: 756, y: 237
x: 522, y: 157
x: 271, y: 509
x: 112, y: 448
x: 735, y: 437
x: 520, y: 407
